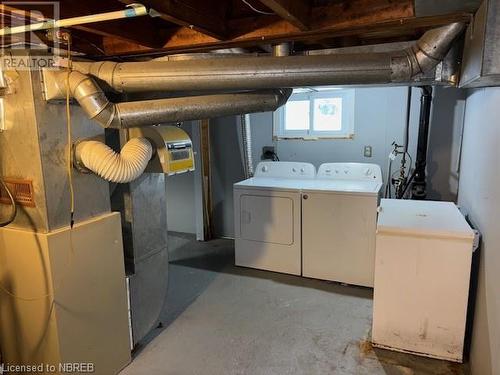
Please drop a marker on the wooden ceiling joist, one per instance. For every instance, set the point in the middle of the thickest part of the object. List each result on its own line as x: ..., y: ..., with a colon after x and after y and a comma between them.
x: 273, y: 29
x: 297, y: 12
x: 189, y: 14
x: 185, y: 41
x: 184, y: 26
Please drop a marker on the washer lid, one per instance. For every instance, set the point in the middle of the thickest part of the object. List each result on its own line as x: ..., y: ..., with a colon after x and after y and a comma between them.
x: 422, y: 218
x: 342, y: 186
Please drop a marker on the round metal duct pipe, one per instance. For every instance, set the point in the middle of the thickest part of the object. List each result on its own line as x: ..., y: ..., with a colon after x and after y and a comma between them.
x: 249, y: 73
x: 159, y: 111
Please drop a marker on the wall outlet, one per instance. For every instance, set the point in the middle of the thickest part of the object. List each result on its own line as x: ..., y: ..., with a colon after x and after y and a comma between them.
x: 368, y: 151
x: 268, y: 153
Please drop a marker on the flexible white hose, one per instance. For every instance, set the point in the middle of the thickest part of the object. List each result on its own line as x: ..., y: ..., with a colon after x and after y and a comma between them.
x: 121, y: 167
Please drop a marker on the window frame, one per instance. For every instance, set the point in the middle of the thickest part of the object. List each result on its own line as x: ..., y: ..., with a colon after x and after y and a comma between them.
x: 347, y: 121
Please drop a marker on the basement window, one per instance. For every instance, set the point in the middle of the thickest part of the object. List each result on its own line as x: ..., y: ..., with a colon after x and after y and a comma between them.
x: 316, y: 112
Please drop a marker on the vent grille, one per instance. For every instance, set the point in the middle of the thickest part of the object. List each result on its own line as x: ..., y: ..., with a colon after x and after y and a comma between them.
x: 22, y: 190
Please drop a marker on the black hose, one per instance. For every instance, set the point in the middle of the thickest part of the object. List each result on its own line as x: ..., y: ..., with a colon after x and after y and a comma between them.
x: 408, y: 183
x: 13, y: 202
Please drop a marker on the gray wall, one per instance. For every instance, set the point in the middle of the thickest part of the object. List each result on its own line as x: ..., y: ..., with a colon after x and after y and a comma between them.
x: 181, y: 213
x: 445, y: 139
x: 226, y: 169
x: 380, y: 115
x: 478, y: 195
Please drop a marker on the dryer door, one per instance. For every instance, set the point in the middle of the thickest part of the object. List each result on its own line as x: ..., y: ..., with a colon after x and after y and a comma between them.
x: 267, y: 230
x: 267, y: 219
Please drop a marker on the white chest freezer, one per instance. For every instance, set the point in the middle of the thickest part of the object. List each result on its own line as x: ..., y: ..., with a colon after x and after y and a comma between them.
x: 422, y: 271
x: 339, y: 218
x: 267, y: 214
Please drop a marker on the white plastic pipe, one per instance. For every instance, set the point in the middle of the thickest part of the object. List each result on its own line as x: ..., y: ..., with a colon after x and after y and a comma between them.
x: 135, y: 10
x: 121, y: 167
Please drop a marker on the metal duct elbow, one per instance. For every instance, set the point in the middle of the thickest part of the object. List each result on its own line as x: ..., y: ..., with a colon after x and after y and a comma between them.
x: 427, y: 52
x: 90, y: 97
x: 433, y: 46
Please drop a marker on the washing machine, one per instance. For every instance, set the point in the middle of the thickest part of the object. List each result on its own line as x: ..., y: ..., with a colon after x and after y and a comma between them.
x: 339, y: 219
x: 267, y: 212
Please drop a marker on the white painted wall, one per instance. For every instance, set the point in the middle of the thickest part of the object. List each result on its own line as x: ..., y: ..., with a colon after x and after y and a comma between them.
x: 445, y: 139
x: 226, y: 169
x: 479, y: 195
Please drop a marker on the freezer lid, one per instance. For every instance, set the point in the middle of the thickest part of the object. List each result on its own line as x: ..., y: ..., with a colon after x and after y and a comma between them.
x: 425, y: 218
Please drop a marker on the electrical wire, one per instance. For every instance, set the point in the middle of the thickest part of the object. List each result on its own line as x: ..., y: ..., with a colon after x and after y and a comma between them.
x: 388, y: 180
x: 411, y: 163
x: 257, y: 10
x: 90, y: 43
x: 25, y: 299
x: 68, y: 125
x: 7, y: 222
x: 13, y: 213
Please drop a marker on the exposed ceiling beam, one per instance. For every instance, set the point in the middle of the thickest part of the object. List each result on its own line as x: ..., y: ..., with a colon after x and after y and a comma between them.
x: 270, y: 29
x: 280, y: 31
x: 192, y: 14
x: 297, y: 12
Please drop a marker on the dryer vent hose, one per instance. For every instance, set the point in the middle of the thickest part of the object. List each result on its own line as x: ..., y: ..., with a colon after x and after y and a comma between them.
x: 121, y: 167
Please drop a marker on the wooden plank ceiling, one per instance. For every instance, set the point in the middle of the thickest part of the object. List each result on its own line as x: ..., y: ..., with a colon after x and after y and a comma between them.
x: 204, y: 25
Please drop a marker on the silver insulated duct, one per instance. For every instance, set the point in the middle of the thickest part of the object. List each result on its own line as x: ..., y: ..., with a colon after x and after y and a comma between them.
x: 249, y: 73
x: 239, y: 73
x: 152, y: 112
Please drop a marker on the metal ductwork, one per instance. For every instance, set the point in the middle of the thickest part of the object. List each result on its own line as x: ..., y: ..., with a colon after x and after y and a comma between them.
x: 249, y: 73
x: 238, y: 73
x: 152, y: 112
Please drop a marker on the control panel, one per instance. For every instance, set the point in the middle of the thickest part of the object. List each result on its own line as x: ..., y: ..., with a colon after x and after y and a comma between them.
x: 350, y: 171
x: 285, y: 169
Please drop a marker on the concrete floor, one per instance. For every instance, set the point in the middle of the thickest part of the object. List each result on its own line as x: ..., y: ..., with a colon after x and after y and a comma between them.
x: 221, y: 319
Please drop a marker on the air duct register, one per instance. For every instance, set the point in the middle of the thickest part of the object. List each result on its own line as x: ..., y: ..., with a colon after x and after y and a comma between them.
x: 174, y: 149
x: 481, y: 63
